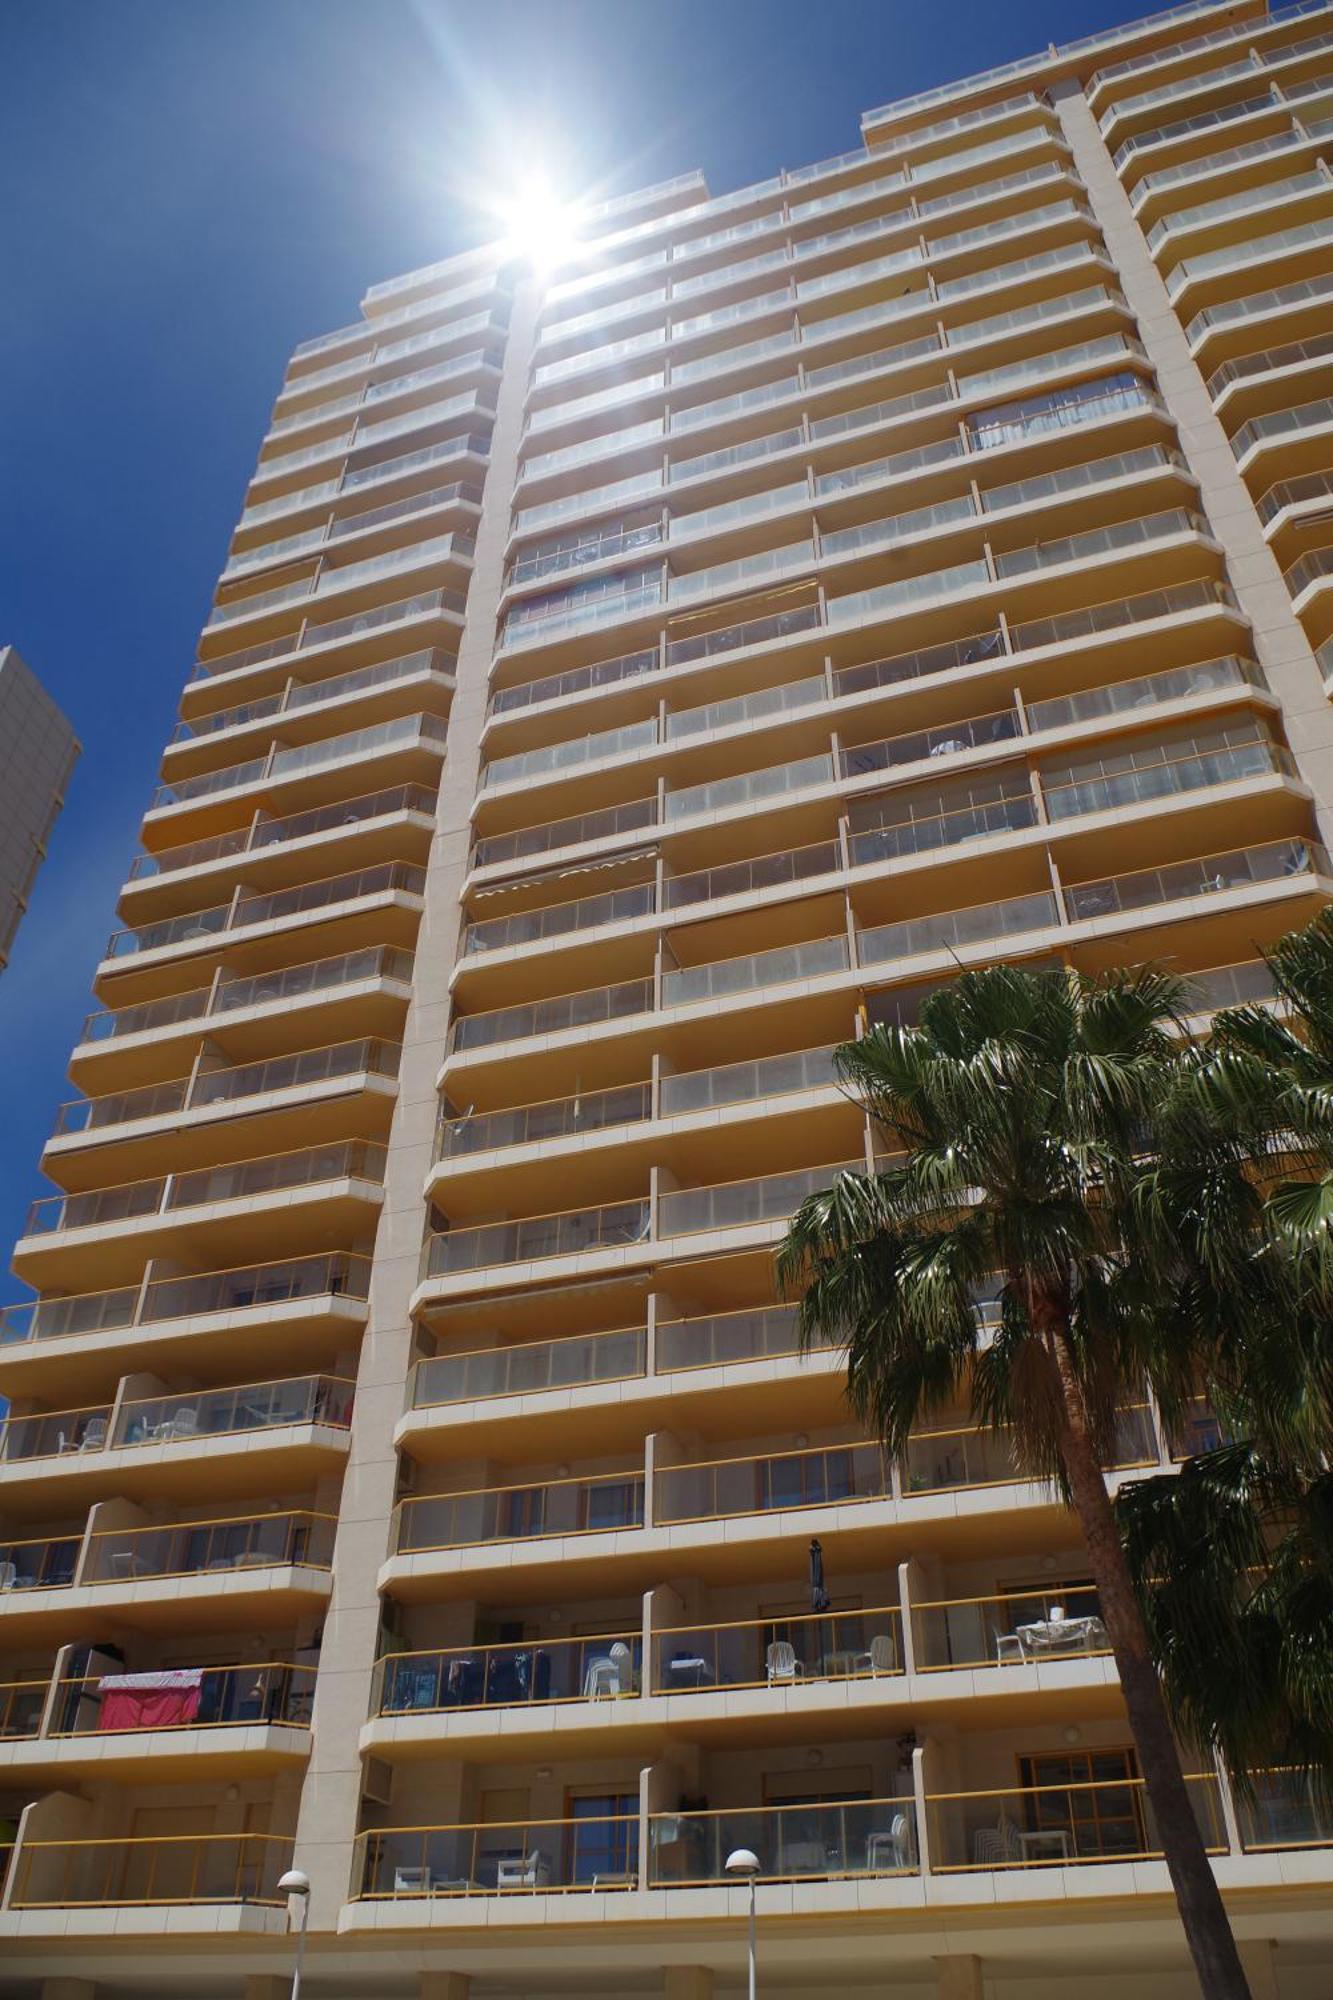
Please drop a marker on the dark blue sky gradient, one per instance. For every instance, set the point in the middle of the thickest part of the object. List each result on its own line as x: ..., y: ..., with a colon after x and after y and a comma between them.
x: 192, y: 187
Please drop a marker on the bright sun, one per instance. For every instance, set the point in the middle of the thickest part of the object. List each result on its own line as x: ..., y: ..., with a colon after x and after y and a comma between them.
x: 540, y: 225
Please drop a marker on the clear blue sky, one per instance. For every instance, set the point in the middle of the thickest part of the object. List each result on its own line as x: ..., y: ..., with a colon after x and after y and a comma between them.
x: 195, y: 185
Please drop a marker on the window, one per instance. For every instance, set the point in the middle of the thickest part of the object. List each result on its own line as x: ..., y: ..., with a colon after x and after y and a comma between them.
x: 605, y: 1835
x: 1089, y: 1798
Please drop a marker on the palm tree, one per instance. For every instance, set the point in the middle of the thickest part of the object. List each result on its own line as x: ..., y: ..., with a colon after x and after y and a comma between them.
x: 1022, y: 1105
x: 1243, y: 1629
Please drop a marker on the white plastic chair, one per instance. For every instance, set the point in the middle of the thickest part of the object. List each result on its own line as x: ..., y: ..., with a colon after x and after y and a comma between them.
x: 94, y: 1434
x: 622, y: 1660
x: 782, y: 1664
x: 530, y: 1872
x: 9, y: 1575
x: 599, y: 1677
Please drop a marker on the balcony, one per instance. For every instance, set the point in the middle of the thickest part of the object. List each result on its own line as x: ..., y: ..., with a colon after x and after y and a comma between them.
x: 277, y: 656
x: 264, y: 834
x: 262, y: 1288
x: 283, y: 762
x: 593, y: 1111
x: 575, y: 1232
x: 1215, y: 874
x: 274, y: 1694
x: 722, y: 1489
x: 126, y: 1555
x: 227, y: 1084
x: 832, y: 1647
x: 296, y: 695
x: 538, y: 1365
x: 588, y: 1854
x: 200, y: 930
x: 597, y: 1504
x: 508, y: 1676
x: 176, y: 1870
x: 283, y: 987
x: 201, y: 1414
x: 817, y: 1841
x: 1109, y: 1819
x: 1006, y: 1628
x: 44, y: 1563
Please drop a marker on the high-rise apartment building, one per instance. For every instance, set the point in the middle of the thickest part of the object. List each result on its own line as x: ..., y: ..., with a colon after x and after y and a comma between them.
x: 622, y: 687
x: 38, y: 752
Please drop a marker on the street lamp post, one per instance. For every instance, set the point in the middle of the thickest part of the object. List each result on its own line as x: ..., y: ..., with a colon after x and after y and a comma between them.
x: 744, y: 1862
x: 297, y: 1883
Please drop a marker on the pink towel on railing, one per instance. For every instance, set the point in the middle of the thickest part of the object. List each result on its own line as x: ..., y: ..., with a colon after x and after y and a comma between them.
x: 150, y: 1701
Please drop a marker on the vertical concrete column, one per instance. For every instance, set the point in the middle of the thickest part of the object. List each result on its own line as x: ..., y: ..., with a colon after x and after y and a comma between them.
x: 444, y: 1986
x: 958, y: 1977
x: 331, y: 1796
x: 688, y: 1982
x: 267, y: 1986
x: 1259, y: 1958
x: 1280, y: 643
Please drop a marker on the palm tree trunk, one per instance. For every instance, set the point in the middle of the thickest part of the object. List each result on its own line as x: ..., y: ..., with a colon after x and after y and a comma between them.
x: 1202, y: 1912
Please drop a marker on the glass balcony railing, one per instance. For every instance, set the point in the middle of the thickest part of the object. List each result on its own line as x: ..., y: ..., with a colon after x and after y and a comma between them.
x: 940, y: 1461
x: 728, y: 456
x: 574, y: 1232
x: 573, y: 1362
x: 257, y: 990
x: 298, y: 1539
x: 549, y: 513
x: 598, y: 544
x: 1203, y: 121
x: 333, y: 1275
x: 1286, y: 1810
x: 750, y: 632
x: 263, y: 833
x: 22, y: 1703
x: 1249, y: 984
x: 722, y: 1339
x: 1212, y: 875
x: 1256, y: 305
x: 530, y: 1856
x: 983, y: 923
x: 1204, y: 593
x: 745, y: 878
x: 287, y: 761
x: 597, y: 1504
x: 385, y: 878
x: 561, y: 1118
x: 1121, y: 697
x: 745, y: 708
x: 905, y: 826
x: 1162, y: 777
x: 282, y: 1172
x: 227, y: 1084
x: 52, y: 1434
x: 781, y: 966
x: 941, y: 659
x: 302, y: 694
x: 1310, y: 569
x: 170, y: 1870
x: 550, y: 757
x: 46, y: 1563
x: 578, y: 680
x: 575, y: 832
x: 615, y: 906
x: 269, y: 1693
x: 509, y: 1676
x: 742, y: 1204
x: 778, y: 1653
x: 686, y: 1091
x: 258, y: 1406
x: 944, y: 740
x: 1234, y: 204
x: 822, y: 1476
x: 1295, y: 493
x: 1007, y: 1628
x: 818, y: 1840
x: 1105, y: 1819
x: 748, y: 787
x: 1241, y: 255
x: 553, y: 1016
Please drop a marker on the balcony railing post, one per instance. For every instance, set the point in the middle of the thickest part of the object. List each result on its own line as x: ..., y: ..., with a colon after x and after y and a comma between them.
x: 922, y: 1816
x: 1227, y: 1801
x: 905, y: 1570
